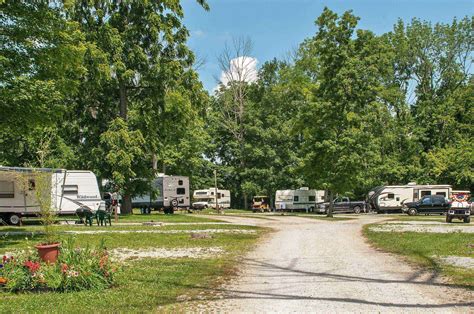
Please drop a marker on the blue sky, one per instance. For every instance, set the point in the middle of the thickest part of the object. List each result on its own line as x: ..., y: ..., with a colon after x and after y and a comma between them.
x: 278, y: 26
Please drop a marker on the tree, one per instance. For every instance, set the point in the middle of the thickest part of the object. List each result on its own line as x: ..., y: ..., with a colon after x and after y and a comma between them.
x: 238, y: 72
x: 41, y: 66
x: 138, y: 65
x: 341, y: 122
x: 124, y: 159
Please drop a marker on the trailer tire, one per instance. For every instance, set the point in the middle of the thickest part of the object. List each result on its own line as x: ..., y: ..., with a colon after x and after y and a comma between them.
x: 467, y: 219
x: 412, y: 212
x: 174, y: 203
x: 356, y: 209
x: 14, y: 219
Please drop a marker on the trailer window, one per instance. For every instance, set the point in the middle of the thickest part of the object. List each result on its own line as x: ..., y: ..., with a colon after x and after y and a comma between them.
x: 7, y: 189
x: 70, y: 189
x: 425, y: 193
x: 312, y: 198
x: 180, y: 182
x: 441, y: 193
x: 390, y: 196
x: 180, y: 191
x: 296, y: 198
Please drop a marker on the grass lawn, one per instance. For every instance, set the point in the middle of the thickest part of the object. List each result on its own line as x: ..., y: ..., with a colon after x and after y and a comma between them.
x: 142, y: 285
x: 421, y: 249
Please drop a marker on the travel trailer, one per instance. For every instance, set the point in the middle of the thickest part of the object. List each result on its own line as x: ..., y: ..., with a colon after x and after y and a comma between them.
x: 301, y: 199
x: 170, y: 192
x: 207, y: 198
x: 391, y: 198
x: 70, y: 190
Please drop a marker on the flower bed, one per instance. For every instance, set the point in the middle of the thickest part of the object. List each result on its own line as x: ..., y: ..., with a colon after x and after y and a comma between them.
x: 76, y: 269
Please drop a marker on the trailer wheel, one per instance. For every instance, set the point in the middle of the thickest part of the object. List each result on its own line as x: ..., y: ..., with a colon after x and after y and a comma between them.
x: 412, y: 212
x: 14, y: 219
x: 357, y: 209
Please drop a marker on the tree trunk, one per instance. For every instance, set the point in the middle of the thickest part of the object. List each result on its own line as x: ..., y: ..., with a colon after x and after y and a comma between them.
x: 126, y: 204
x: 123, y: 100
x: 154, y: 162
x: 331, y: 205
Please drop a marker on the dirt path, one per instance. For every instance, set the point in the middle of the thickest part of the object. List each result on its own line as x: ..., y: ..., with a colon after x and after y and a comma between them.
x: 310, y: 265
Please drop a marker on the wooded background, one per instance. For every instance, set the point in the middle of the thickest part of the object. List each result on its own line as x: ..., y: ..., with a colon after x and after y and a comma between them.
x: 111, y: 86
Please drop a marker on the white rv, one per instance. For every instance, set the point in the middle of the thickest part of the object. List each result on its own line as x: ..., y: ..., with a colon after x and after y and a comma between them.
x: 301, y: 199
x: 207, y: 198
x: 170, y: 192
x: 70, y: 189
x: 392, y: 197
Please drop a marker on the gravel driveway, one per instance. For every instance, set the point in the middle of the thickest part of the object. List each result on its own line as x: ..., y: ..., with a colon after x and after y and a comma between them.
x: 310, y: 265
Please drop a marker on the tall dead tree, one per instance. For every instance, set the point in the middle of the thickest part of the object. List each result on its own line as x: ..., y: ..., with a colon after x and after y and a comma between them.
x: 238, y: 70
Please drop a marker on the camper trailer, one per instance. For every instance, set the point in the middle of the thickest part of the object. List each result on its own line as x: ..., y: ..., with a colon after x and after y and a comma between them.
x: 391, y: 198
x: 170, y: 192
x: 207, y: 198
x: 70, y: 190
x: 301, y: 199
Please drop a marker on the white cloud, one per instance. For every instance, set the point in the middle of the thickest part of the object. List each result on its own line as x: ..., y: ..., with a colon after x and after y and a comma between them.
x: 243, y: 69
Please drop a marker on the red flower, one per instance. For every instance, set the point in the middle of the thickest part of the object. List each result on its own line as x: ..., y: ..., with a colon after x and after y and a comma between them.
x: 32, y: 266
x: 64, y: 268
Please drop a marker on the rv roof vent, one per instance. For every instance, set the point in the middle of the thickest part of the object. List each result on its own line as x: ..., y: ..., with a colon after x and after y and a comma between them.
x: 304, y: 188
x: 411, y: 183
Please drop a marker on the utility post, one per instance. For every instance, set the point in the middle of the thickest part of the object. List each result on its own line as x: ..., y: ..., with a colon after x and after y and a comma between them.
x: 215, y: 190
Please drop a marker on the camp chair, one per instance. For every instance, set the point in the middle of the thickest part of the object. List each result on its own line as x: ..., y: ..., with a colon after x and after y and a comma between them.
x: 85, y: 216
x: 103, y: 217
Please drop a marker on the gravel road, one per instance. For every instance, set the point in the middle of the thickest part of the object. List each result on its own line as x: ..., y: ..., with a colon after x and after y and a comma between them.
x: 310, y: 265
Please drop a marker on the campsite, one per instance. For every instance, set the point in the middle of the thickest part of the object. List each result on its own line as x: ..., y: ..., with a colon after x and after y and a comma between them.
x: 206, y: 156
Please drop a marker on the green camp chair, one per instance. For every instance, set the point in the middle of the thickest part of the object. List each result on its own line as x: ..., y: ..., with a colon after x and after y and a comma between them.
x: 103, y: 217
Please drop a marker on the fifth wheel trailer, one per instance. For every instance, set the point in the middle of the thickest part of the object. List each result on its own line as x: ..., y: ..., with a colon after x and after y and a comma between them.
x: 170, y: 192
x: 69, y: 189
x: 390, y: 198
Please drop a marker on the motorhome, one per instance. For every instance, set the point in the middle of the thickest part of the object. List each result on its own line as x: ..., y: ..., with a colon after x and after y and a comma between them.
x: 390, y: 198
x: 70, y: 190
x: 207, y: 198
x: 301, y: 199
x: 170, y: 192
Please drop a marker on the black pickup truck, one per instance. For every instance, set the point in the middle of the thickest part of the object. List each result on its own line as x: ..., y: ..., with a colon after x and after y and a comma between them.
x: 430, y: 204
x: 344, y: 205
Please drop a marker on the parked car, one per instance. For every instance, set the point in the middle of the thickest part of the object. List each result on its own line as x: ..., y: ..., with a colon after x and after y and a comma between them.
x: 343, y: 205
x: 430, y: 204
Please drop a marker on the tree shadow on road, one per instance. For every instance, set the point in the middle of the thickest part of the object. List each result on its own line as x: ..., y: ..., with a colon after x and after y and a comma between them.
x: 266, y: 267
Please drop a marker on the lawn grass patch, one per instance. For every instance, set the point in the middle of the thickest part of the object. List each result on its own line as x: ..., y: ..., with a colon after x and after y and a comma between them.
x: 143, y: 285
x: 423, y: 248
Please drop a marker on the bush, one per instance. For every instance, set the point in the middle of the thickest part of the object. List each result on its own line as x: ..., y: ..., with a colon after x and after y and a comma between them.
x: 76, y: 269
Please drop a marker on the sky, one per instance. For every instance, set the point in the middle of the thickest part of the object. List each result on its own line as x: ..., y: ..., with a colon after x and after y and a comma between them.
x: 276, y: 27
